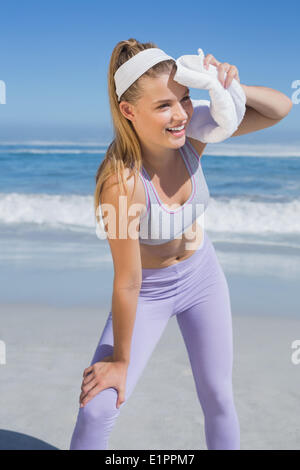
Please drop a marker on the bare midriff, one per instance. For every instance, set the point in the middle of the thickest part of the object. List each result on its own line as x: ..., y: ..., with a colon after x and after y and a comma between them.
x: 174, y: 251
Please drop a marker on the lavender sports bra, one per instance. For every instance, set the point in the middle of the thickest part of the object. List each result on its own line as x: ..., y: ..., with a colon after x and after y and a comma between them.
x: 159, y: 224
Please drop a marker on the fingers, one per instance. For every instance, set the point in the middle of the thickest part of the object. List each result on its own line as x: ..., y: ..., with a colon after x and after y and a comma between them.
x: 88, y: 383
x: 90, y: 371
x: 210, y: 59
x: 87, y: 370
x: 88, y: 378
x: 86, y: 387
x: 231, y: 74
x: 222, y: 68
x: 121, y: 397
x: 88, y: 394
x: 230, y: 70
x: 101, y: 376
x: 91, y: 384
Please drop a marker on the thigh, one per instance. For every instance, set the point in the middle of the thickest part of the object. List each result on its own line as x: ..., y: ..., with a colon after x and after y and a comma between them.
x: 206, y: 328
x: 96, y: 420
x: 151, y: 318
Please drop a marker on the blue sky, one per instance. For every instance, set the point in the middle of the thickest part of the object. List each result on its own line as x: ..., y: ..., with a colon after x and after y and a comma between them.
x: 54, y: 57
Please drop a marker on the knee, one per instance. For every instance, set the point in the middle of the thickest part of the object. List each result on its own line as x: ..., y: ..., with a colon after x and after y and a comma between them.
x: 219, y: 397
x: 101, y: 406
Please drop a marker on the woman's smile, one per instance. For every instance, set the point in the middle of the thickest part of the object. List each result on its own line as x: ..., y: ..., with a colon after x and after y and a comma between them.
x: 177, y: 133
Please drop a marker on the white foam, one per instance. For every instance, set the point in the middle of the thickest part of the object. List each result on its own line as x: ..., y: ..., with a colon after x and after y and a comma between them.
x: 252, y: 217
x: 232, y: 216
x: 51, y: 151
x: 253, y: 150
x: 49, y: 143
x: 221, y: 149
x: 47, y: 209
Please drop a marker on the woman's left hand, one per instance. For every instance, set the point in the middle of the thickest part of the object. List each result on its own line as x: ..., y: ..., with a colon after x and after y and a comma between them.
x: 232, y: 71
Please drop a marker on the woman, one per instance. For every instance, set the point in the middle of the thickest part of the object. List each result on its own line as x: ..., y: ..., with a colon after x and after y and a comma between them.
x: 156, y: 275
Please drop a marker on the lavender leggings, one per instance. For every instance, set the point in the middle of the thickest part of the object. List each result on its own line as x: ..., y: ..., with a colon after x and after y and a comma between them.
x: 196, y: 291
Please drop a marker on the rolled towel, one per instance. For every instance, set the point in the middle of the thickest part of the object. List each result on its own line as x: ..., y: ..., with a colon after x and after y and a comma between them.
x: 218, y: 119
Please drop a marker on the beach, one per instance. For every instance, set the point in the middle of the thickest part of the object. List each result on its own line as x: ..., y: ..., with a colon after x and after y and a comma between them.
x: 50, y: 341
x: 78, y: 89
x: 49, y: 347
x: 56, y: 279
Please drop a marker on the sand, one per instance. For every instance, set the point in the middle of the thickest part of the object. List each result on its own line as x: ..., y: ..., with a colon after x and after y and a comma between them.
x: 47, y: 349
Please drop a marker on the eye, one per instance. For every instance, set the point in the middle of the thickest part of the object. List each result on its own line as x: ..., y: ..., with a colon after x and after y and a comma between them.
x: 183, y: 99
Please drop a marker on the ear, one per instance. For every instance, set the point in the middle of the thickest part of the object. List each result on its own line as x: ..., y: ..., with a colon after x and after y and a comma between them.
x: 127, y: 110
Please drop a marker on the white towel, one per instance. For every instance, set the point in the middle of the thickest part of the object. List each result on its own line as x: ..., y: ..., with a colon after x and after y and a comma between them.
x: 216, y: 120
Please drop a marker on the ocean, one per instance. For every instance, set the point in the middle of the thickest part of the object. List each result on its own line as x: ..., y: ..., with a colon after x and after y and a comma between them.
x: 49, y: 247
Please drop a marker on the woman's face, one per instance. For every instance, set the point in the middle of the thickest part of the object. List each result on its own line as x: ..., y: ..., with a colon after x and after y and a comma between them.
x: 165, y: 103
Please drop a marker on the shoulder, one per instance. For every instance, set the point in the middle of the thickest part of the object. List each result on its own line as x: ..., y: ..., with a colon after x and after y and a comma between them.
x: 111, y: 189
x: 197, y: 145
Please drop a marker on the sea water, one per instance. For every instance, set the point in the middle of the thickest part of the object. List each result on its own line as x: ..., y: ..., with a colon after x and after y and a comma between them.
x: 49, y: 248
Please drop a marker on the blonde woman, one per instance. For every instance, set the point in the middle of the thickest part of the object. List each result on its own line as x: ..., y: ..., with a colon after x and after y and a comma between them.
x: 164, y: 262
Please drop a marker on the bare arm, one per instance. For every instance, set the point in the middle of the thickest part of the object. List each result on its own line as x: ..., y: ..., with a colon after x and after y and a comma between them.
x: 264, y: 108
x: 124, y: 304
x: 127, y: 268
x: 111, y: 371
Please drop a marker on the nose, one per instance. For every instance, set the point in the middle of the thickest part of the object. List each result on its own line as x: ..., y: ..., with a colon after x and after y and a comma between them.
x: 180, y: 113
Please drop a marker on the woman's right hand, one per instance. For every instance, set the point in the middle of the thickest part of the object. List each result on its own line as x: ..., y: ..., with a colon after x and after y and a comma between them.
x: 101, y: 375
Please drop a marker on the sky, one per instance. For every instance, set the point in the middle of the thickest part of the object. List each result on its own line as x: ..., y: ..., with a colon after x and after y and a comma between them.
x: 54, y: 58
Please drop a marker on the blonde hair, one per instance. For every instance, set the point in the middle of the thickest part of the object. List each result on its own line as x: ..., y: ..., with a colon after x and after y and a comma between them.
x: 124, y: 151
